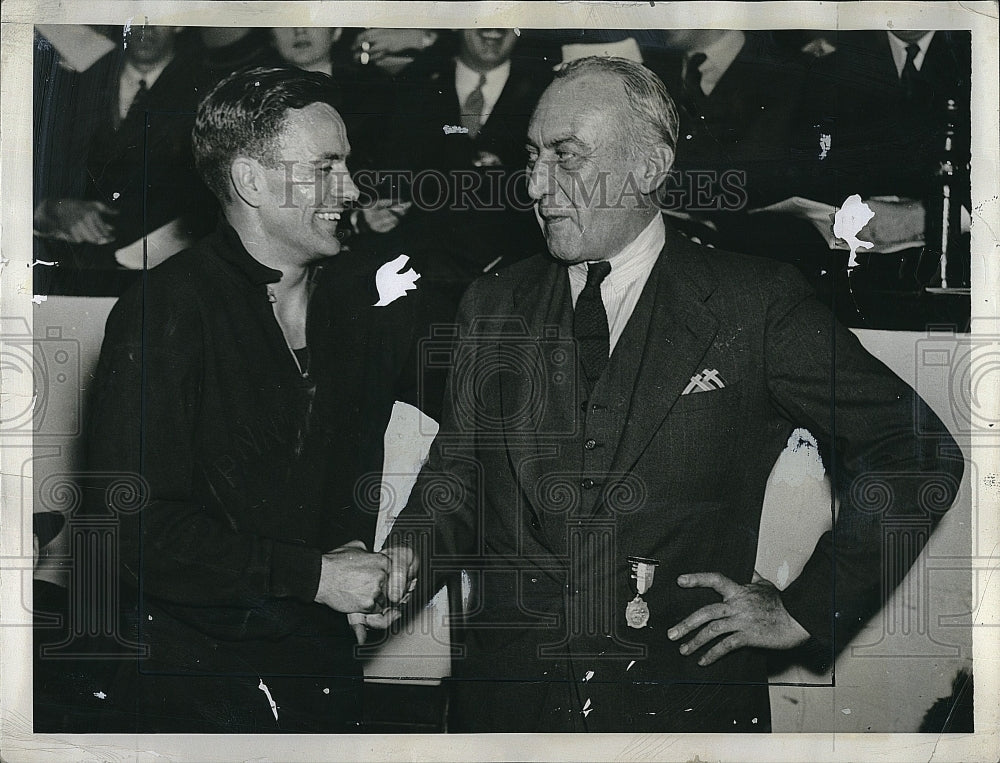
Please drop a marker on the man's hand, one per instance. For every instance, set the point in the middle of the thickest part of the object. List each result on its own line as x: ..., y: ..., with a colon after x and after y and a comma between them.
x: 382, y: 43
x: 75, y: 221
x: 752, y: 614
x: 361, y: 623
x: 402, y: 573
x: 353, y: 580
x: 401, y: 582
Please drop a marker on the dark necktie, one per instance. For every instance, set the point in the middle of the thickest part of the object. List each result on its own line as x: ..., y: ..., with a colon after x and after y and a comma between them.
x: 139, y: 100
x: 590, y: 324
x: 909, y: 77
x: 693, y: 93
x: 472, y: 109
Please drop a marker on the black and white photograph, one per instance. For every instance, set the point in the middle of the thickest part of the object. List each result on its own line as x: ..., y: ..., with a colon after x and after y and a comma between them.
x: 536, y: 381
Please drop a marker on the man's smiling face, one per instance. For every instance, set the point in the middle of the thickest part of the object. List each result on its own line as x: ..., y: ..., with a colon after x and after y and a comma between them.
x: 485, y: 49
x: 310, y: 186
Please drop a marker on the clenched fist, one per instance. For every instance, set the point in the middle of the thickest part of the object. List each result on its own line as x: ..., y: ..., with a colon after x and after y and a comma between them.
x: 353, y: 580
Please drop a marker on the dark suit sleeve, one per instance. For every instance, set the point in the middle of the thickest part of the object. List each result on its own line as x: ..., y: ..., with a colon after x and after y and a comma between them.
x: 892, y: 463
x: 442, y: 516
x: 422, y: 379
x: 144, y: 419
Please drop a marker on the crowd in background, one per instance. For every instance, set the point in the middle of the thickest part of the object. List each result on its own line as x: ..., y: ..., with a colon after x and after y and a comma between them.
x: 437, y: 122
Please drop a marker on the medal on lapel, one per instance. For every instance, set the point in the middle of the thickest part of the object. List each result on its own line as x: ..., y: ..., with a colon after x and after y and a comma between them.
x: 641, y: 571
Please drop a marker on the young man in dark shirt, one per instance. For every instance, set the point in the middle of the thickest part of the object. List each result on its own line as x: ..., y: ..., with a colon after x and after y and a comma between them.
x: 250, y: 391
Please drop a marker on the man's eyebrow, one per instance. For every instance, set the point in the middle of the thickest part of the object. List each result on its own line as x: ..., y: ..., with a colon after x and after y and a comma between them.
x: 569, y: 141
x: 560, y: 142
x: 333, y: 156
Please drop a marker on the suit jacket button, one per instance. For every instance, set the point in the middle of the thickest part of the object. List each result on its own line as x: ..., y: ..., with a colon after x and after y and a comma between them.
x: 587, y: 484
x: 590, y: 444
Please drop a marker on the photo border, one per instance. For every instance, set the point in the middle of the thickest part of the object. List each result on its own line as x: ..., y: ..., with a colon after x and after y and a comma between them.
x: 16, y: 303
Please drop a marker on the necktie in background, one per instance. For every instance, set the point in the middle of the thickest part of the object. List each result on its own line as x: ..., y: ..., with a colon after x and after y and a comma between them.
x: 590, y: 324
x: 693, y: 94
x: 472, y: 109
x: 138, y: 102
x: 909, y: 77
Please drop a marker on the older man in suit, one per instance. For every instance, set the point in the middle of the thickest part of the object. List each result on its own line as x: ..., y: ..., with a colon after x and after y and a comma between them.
x: 614, y: 412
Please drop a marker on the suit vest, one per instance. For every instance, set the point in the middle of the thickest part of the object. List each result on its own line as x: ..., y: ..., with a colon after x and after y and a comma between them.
x: 603, y: 411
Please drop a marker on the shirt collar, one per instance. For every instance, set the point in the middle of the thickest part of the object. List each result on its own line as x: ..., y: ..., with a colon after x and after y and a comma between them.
x: 231, y: 249
x: 635, y: 260
x: 719, y: 57
x: 133, y: 75
x: 467, y: 78
x: 898, y: 48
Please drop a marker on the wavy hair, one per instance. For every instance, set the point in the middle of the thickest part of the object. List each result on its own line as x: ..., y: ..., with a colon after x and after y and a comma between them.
x: 244, y: 114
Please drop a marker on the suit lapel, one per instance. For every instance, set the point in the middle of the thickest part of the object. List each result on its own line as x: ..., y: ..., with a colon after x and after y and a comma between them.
x: 512, y: 97
x: 878, y: 64
x: 452, y: 106
x: 680, y: 332
x: 531, y: 407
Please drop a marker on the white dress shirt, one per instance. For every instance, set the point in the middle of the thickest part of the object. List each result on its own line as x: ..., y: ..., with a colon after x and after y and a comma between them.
x: 630, y: 270
x: 719, y: 57
x: 898, y: 48
x: 128, y: 84
x: 466, y: 80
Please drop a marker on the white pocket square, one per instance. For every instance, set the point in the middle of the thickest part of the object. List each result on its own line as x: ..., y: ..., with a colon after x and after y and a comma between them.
x: 707, y: 381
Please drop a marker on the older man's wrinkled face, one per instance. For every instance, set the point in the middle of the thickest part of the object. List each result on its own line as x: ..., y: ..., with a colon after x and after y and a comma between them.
x: 581, y: 176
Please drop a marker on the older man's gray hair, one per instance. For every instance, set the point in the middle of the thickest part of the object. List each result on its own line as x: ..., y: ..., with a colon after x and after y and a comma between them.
x: 656, y: 120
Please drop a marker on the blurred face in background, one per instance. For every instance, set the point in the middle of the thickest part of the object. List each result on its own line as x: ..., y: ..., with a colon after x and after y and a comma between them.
x: 909, y: 35
x: 689, y: 39
x: 148, y: 46
x: 485, y: 49
x: 305, y: 47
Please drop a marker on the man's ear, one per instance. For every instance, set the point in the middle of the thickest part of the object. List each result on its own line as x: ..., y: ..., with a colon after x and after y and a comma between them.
x: 248, y: 180
x: 656, y: 167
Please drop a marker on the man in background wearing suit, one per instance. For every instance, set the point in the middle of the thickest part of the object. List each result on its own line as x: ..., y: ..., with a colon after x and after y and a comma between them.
x: 461, y: 123
x: 880, y: 102
x: 614, y: 411
x: 118, y: 164
x: 736, y: 93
